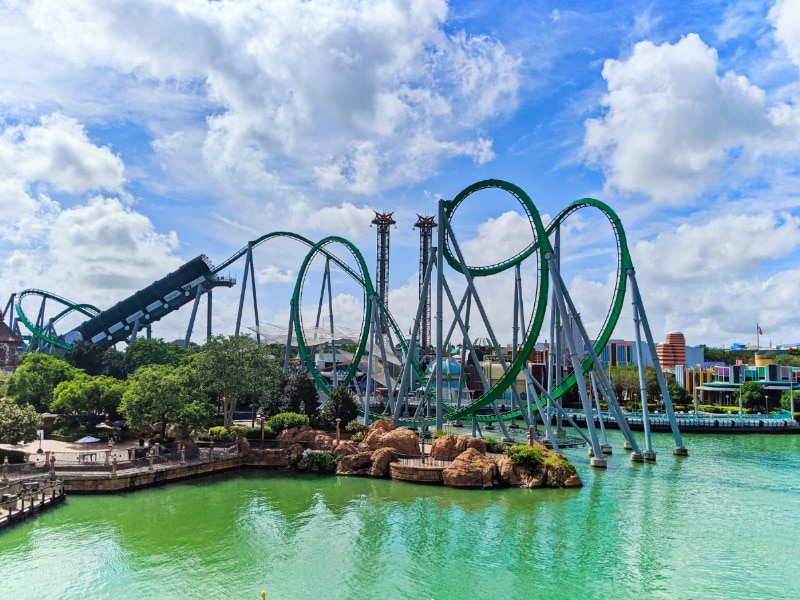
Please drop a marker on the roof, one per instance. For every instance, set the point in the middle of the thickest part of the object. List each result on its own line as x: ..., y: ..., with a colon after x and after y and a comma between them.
x: 7, y: 336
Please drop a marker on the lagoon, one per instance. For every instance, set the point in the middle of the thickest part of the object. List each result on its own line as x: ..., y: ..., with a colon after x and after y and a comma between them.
x: 722, y: 523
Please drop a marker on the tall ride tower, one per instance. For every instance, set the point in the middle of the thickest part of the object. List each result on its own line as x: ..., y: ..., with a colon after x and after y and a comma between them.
x: 425, y: 225
x: 383, y: 221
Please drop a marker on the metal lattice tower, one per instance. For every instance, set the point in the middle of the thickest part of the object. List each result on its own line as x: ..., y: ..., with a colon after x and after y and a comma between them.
x: 425, y: 225
x: 383, y: 221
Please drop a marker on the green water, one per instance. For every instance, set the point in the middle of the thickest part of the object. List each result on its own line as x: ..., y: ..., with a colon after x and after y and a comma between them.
x: 723, y: 523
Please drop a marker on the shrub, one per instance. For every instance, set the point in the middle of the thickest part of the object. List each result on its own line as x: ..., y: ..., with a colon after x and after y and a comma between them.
x: 356, y: 426
x: 322, y: 462
x: 238, y: 431
x: 531, y: 458
x: 492, y: 445
x: 439, y: 433
x: 219, y: 434
x: 283, y: 421
x: 357, y: 437
x: 557, y: 460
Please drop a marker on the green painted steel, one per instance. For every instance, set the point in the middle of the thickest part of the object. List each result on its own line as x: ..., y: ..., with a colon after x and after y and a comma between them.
x: 363, y: 278
x: 85, y: 309
x: 541, y: 246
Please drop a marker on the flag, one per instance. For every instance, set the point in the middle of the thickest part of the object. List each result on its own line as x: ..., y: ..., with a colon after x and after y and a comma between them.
x: 758, y: 330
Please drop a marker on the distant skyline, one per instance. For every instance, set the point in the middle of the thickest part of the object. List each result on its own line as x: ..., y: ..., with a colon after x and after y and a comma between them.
x: 135, y: 135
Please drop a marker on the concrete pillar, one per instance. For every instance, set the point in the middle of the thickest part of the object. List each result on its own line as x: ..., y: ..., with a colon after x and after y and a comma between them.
x: 151, y: 456
x: 5, y: 470
x: 114, y: 467
x: 183, y: 453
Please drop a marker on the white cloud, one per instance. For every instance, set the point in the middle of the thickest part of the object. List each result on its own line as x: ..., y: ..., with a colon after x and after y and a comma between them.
x: 59, y: 153
x: 363, y: 96
x: 673, y: 126
x: 785, y: 18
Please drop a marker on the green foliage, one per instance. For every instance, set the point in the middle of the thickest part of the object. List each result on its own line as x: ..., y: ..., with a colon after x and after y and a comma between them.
x: 238, y: 431
x: 219, y: 434
x: 492, y: 445
x: 88, y: 394
x: 142, y: 352
x: 238, y: 369
x: 357, y: 438
x: 527, y: 457
x: 725, y: 356
x: 556, y: 460
x: 322, y: 462
x: 678, y: 394
x: 300, y: 396
x: 341, y: 405
x: 439, y: 433
x: 356, y: 426
x: 3, y: 384
x: 36, y: 378
x: 17, y: 423
x: 282, y: 421
x: 160, y: 393
x: 753, y: 395
x: 626, y: 380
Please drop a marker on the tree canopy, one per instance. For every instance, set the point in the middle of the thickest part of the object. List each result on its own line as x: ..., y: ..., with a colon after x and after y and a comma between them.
x: 238, y: 369
x: 341, y: 405
x: 37, y: 376
x: 87, y: 394
x: 17, y: 423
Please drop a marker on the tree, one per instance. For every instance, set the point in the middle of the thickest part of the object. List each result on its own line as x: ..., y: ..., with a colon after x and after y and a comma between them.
x: 626, y: 379
x: 141, y: 352
x: 301, y: 393
x: 753, y: 395
x: 86, y: 356
x: 238, y: 369
x: 87, y: 394
x: 679, y: 394
x: 37, y: 377
x: 164, y: 394
x: 17, y: 423
x: 787, y: 397
x: 341, y: 405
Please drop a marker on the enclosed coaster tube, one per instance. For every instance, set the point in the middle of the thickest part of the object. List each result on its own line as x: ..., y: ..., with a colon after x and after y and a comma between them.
x: 145, y: 306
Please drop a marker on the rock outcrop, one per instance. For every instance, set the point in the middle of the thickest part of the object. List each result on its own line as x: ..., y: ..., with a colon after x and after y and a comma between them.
x: 471, y: 469
x: 403, y: 441
x: 304, y: 434
x: 514, y: 476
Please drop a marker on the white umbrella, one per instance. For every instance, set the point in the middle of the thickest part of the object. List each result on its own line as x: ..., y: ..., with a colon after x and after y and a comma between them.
x: 87, y: 440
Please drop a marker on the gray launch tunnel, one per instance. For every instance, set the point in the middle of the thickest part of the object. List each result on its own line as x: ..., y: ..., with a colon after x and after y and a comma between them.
x: 148, y: 305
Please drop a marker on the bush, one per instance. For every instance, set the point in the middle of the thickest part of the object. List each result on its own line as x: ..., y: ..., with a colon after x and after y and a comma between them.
x: 357, y: 437
x: 356, y: 426
x: 492, y: 445
x: 283, y: 421
x: 531, y: 458
x: 322, y: 462
x: 439, y: 433
x: 556, y: 460
x: 218, y: 434
x: 238, y: 431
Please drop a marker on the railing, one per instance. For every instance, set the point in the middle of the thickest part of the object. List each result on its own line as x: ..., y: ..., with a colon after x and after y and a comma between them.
x: 424, y: 461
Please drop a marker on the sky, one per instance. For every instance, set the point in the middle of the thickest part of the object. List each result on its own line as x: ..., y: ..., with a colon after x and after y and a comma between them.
x: 138, y: 134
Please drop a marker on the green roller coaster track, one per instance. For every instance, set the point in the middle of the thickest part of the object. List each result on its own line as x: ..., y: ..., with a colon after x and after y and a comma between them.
x: 540, y: 246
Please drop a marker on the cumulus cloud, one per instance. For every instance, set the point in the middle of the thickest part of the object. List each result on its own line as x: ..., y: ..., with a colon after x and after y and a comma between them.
x: 361, y: 96
x: 673, y: 125
x: 785, y: 18
x: 58, y: 152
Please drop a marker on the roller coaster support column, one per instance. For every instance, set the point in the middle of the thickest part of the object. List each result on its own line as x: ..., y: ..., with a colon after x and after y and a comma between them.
x: 249, y: 270
x: 443, y: 226
x: 605, y: 447
x: 330, y: 316
x: 556, y: 345
x: 680, y: 449
x: 649, y: 454
x: 605, y: 387
x: 288, y: 353
x: 574, y: 340
x: 531, y: 393
x: 195, y: 304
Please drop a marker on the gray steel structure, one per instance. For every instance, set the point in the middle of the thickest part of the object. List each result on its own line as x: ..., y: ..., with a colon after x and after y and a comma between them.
x: 425, y: 226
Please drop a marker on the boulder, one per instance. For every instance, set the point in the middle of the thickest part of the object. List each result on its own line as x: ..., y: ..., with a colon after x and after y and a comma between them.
x: 345, y: 448
x: 471, y: 469
x: 243, y: 445
x: 559, y: 472
x: 514, y: 476
x: 446, y: 447
x: 355, y: 464
x: 402, y: 440
x: 382, y: 425
x: 478, y: 444
x: 380, y: 462
x: 292, y: 455
x: 191, y: 448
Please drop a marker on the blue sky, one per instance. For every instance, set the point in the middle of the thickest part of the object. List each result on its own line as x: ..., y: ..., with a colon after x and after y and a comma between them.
x: 136, y: 135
